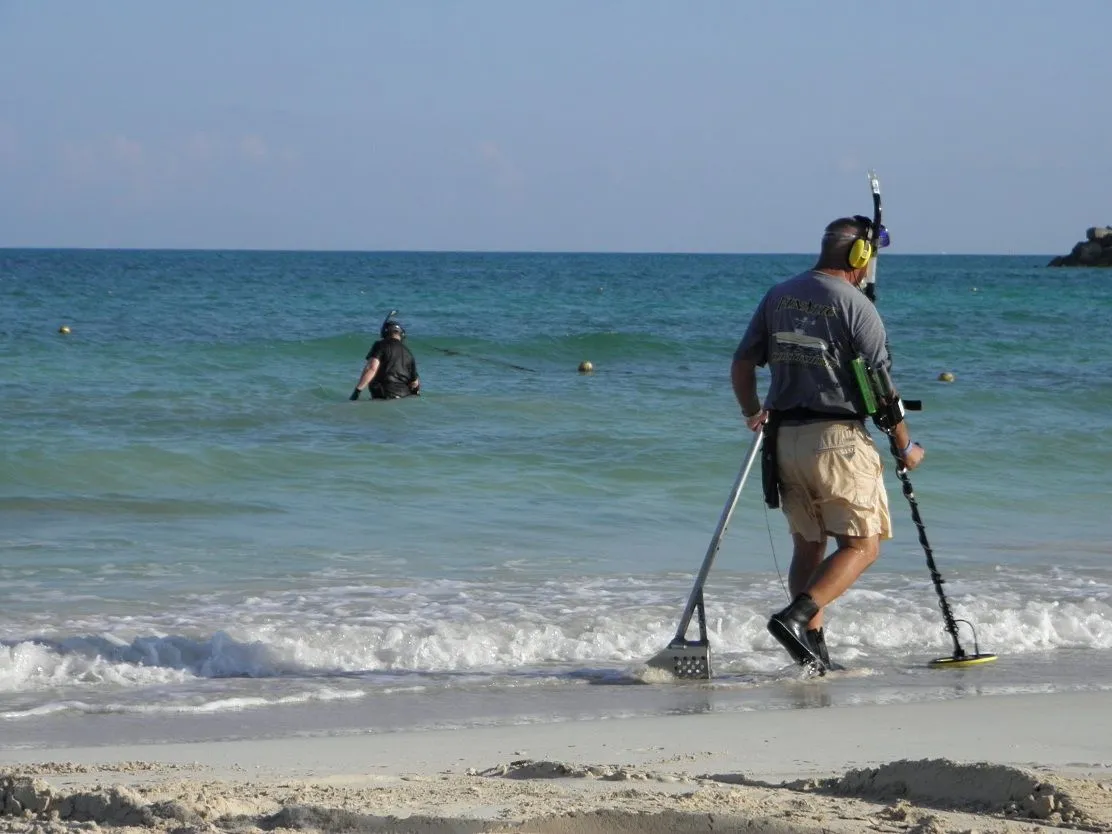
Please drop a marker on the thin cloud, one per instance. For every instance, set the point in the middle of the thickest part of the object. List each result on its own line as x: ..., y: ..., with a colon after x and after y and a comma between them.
x: 128, y: 165
x: 201, y: 147
x: 507, y: 176
x: 9, y: 144
x: 127, y: 151
x: 254, y: 148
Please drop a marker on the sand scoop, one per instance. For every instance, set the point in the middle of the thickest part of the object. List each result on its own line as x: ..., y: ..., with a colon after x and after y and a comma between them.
x: 691, y: 658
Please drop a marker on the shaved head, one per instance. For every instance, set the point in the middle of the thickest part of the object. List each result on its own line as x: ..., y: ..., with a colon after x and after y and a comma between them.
x: 838, y: 238
x: 856, y: 226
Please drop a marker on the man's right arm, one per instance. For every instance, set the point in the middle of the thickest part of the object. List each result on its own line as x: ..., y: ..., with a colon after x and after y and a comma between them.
x: 870, y: 339
x: 369, y: 371
x: 871, y: 343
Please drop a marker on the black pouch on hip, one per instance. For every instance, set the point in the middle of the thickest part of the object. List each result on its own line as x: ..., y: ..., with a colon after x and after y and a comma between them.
x: 770, y: 476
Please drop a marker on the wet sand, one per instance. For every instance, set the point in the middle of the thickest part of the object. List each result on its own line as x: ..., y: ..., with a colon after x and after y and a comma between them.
x: 978, y: 763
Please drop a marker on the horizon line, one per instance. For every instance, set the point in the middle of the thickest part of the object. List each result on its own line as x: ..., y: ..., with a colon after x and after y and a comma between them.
x: 491, y: 251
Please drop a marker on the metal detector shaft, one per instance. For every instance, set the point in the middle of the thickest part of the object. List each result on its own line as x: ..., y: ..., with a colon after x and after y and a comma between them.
x: 695, y: 599
x: 936, y: 577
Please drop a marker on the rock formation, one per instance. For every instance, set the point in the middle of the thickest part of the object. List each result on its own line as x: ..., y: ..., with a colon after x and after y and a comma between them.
x: 1095, y: 250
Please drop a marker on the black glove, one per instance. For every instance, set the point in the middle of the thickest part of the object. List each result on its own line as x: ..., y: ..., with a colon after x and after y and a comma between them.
x: 354, y: 395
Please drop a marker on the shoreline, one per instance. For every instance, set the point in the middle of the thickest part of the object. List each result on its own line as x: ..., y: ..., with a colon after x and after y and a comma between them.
x: 982, y: 762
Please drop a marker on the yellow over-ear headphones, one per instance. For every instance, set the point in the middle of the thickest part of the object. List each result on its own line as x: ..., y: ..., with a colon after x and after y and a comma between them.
x: 862, y: 249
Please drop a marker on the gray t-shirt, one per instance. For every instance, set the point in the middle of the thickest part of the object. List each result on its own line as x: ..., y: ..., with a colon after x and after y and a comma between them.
x: 808, y: 330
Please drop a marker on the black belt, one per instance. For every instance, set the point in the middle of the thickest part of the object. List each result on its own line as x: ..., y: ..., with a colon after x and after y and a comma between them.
x: 798, y: 416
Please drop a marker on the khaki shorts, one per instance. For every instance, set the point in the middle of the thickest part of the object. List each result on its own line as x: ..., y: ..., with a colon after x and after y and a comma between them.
x: 831, y: 481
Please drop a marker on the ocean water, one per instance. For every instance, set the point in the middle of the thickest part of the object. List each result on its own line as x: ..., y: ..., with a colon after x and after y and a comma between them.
x: 201, y: 537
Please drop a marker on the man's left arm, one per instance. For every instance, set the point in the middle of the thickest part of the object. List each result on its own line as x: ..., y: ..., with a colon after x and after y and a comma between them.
x: 750, y: 354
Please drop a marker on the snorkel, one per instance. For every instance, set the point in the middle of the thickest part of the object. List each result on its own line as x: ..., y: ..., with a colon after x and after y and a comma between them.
x: 878, y: 238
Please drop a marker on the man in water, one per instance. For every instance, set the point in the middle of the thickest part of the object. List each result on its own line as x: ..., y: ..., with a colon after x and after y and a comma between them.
x: 808, y: 330
x: 391, y: 370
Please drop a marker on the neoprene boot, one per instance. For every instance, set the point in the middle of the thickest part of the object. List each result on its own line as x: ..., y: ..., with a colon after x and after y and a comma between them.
x: 817, y: 639
x: 789, y: 627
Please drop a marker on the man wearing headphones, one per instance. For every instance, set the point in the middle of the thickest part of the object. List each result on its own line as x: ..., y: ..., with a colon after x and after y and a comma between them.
x: 391, y: 370
x: 819, y: 460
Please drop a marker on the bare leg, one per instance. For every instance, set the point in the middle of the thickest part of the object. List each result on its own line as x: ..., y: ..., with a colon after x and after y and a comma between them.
x: 806, y: 558
x: 828, y: 580
x: 841, y: 569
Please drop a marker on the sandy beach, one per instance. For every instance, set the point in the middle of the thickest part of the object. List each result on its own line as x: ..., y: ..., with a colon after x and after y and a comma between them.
x: 978, y: 763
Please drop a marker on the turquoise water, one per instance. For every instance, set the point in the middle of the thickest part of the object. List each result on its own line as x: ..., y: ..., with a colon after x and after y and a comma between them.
x: 195, y: 519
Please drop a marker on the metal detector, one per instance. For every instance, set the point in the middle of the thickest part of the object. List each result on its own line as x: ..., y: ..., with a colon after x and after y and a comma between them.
x: 691, y: 658
x: 959, y: 657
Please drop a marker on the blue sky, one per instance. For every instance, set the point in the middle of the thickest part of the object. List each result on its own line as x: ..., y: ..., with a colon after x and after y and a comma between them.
x: 583, y: 125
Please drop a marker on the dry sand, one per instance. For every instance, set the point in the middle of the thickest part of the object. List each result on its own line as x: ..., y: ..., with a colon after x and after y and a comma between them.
x: 975, y: 764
